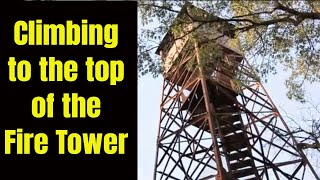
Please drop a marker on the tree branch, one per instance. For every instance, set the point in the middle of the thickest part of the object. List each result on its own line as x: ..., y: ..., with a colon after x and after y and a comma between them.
x: 300, y: 15
x: 308, y: 146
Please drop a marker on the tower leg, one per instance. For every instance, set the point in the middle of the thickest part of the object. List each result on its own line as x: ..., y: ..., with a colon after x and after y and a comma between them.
x: 207, y: 131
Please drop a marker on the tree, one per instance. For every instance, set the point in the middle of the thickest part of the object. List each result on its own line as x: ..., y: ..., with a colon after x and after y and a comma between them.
x: 281, y: 33
x: 308, y: 132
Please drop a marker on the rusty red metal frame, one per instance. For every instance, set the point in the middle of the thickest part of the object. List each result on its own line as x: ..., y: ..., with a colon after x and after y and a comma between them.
x: 201, y: 136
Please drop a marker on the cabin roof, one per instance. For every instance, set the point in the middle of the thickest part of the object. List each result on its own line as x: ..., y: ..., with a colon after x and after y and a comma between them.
x: 168, y: 38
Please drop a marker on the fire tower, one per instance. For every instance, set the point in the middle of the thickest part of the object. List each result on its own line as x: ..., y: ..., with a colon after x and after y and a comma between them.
x: 217, y: 120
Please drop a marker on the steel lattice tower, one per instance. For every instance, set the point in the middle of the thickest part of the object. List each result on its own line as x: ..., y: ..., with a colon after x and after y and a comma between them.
x: 217, y: 121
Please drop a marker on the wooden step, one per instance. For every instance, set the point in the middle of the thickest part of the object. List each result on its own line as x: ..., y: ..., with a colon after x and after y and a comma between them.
x: 235, y: 138
x: 235, y: 146
x: 227, y: 129
x: 238, y: 155
x: 241, y: 164
x: 235, y: 142
x: 229, y: 119
x: 243, y: 172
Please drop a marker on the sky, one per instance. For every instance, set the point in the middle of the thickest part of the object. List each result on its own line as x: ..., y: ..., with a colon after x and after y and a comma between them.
x: 149, y: 94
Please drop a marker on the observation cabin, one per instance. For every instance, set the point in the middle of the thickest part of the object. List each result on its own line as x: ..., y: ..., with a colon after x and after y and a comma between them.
x: 199, y: 39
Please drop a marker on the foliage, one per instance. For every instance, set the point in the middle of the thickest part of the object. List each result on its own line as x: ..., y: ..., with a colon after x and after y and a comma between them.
x: 272, y: 33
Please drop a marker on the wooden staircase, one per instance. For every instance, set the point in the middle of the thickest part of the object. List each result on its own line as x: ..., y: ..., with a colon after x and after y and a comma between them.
x: 231, y: 132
